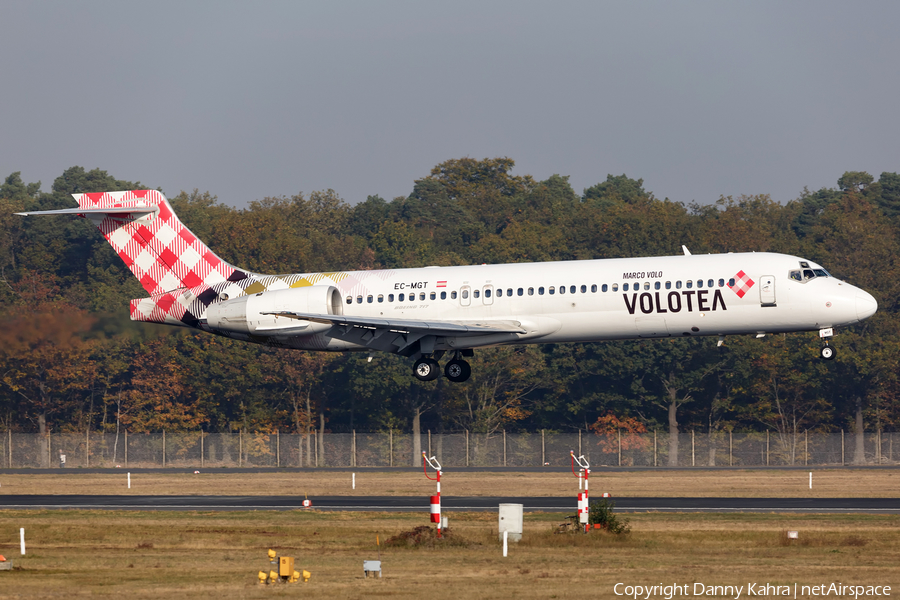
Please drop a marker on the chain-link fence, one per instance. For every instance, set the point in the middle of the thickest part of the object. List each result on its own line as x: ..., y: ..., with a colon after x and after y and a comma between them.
x: 393, y: 449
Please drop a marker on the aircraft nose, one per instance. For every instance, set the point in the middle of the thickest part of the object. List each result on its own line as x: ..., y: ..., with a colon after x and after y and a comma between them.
x: 866, y: 305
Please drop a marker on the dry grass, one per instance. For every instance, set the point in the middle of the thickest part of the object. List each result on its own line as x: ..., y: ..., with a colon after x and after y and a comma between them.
x: 162, y: 555
x: 834, y: 483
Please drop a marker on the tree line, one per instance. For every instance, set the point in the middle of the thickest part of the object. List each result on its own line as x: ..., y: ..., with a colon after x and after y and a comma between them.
x: 71, y: 359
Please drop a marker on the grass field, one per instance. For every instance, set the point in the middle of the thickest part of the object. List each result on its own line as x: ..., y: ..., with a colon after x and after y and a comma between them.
x: 833, y: 483
x: 166, y: 555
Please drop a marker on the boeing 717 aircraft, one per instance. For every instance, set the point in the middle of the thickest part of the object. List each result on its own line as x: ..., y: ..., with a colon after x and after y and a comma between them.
x: 430, y: 312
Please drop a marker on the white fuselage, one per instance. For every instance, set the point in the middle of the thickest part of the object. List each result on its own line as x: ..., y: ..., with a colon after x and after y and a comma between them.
x: 608, y: 299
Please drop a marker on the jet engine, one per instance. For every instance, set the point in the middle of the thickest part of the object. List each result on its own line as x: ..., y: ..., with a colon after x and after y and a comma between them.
x: 246, y: 314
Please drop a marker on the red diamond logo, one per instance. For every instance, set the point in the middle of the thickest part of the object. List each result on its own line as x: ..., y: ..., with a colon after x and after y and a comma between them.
x: 742, y: 284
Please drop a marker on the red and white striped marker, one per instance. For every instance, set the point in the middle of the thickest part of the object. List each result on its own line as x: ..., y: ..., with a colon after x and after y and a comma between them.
x: 435, y: 500
x: 583, y: 499
x: 307, y: 503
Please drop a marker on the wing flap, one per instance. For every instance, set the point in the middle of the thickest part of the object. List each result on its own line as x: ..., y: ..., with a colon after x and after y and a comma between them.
x: 437, y: 328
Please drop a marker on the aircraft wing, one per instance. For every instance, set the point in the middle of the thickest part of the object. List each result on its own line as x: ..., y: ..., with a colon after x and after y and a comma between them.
x: 400, y: 335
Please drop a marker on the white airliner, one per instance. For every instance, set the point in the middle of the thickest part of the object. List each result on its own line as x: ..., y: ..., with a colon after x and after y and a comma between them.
x: 428, y: 312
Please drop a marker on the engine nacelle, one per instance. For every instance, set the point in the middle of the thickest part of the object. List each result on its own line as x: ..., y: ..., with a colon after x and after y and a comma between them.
x: 245, y: 314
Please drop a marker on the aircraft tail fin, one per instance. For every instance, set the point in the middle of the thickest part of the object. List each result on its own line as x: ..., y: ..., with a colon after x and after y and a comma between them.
x: 153, y: 243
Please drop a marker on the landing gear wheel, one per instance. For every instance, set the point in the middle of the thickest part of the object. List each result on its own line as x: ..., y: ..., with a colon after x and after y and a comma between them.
x: 457, y: 370
x: 827, y: 352
x: 426, y: 369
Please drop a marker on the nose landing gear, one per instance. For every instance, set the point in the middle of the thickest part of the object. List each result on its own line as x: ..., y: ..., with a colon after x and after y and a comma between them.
x: 827, y: 352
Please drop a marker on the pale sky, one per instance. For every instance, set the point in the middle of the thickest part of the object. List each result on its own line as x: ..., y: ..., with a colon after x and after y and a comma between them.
x: 254, y: 99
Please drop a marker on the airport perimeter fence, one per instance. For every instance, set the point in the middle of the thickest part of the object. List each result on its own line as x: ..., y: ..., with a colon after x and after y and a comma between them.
x: 392, y: 449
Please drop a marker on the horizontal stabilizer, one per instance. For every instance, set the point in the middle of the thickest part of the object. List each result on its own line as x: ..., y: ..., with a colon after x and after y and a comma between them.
x: 141, y: 210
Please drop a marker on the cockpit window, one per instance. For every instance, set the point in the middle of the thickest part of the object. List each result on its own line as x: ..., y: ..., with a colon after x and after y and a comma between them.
x: 820, y: 272
x: 795, y: 275
x: 808, y: 274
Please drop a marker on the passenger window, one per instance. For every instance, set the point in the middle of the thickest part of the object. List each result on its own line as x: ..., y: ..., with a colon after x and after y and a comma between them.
x: 624, y: 287
x: 678, y: 285
x: 422, y: 296
x: 541, y: 291
x: 433, y: 296
x: 552, y: 290
x: 604, y: 288
x: 401, y: 297
x: 380, y: 298
x: 477, y: 293
x: 390, y: 297
x: 646, y: 285
x: 453, y: 295
x: 710, y: 283
x: 465, y: 294
x: 688, y: 284
x: 531, y: 291
x: 521, y: 291
x: 721, y: 283
x: 499, y: 292
x: 699, y: 283
x: 584, y: 289
x: 359, y: 299
x: 656, y: 285
x: 369, y: 299
x: 443, y: 295
x: 731, y: 282
x: 349, y: 299
x: 487, y: 293
x: 594, y: 288
x: 571, y: 289
x: 615, y: 287
x: 562, y: 289
x: 509, y: 292
x: 668, y: 285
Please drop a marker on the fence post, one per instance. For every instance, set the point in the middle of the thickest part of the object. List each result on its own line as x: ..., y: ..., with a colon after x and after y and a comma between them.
x: 87, y: 447
x: 126, y: 448
x: 878, y: 446
x: 730, y: 449
x: 692, y: 449
x: 316, y: 440
x: 580, y: 453
x: 240, y: 448
x: 429, y: 443
x: 806, y: 450
x: 467, y: 447
x: 504, y: 447
x: 655, y: 464
x: 767, y: 447
x: 49, y: 454
x: 202, y: 453
x: 277, y: 448
x: 842, y: 447
x: 9, y: 452
x: 353, y: 449
x: 392, y: 446
x: 164, y: 448
x: 543, y: 449
x: 619, y: 441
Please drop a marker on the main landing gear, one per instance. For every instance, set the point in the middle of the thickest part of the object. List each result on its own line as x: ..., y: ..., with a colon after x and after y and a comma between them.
x: 456, y: 370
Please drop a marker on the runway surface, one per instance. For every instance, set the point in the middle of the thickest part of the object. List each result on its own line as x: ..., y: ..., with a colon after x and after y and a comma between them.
x: 449, y: 503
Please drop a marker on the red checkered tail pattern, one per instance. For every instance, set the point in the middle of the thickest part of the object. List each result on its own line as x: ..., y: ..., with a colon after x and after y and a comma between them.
x: 155, y: 245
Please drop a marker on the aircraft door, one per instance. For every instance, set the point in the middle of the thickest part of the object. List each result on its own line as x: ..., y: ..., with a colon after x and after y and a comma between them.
x: 465, y: 296
x: 487, y: 293
x: 767, y: 290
